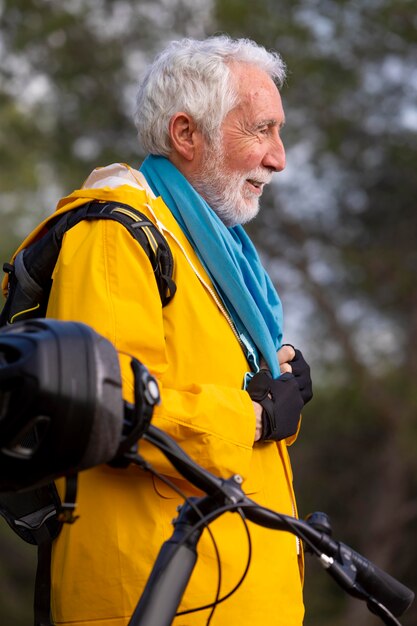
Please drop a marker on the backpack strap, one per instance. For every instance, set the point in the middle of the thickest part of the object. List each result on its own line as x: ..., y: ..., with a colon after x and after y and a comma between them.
x: 37, y: 515
x: 27, y: 511
x: 42, y: 595
x: 44, y: 540
x: 30, y: 276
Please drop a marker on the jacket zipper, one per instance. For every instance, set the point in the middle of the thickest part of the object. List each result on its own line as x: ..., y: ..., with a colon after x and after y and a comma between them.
x: 297, y: 539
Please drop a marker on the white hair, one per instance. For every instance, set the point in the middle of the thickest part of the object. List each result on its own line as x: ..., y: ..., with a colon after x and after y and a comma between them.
x: 194, y: 76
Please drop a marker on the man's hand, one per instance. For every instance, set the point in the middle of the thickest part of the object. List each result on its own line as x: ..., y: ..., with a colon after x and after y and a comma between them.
x: 285, y: 355
x: 278, y: 403
x: 258, y: 413
x: 281, y: 403
x: 300, y: 369
x: 291, y: 361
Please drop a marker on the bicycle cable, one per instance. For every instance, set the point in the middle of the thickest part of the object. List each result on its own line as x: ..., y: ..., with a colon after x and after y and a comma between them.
x: 232, y: 508
x: 143, y: 464
x: 204, y: 521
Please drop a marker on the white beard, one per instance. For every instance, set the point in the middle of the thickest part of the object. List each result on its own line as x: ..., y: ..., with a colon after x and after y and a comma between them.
x: 228, y: 194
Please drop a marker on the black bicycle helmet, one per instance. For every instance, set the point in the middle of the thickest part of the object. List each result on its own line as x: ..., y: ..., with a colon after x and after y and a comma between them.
x: 61, y: 406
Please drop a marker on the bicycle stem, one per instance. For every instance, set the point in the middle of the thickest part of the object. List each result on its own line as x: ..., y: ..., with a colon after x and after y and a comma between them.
x: 177, y: 557
x: 169, y: 578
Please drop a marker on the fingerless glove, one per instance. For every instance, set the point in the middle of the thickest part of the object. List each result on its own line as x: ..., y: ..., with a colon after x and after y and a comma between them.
x: 281, y: 401
x: 301, y: 371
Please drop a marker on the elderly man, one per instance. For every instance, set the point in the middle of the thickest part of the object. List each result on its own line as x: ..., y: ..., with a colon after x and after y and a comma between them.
x: 209, y: 114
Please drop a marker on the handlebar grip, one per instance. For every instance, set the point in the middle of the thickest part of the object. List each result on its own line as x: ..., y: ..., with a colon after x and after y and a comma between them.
x: 395, y: 596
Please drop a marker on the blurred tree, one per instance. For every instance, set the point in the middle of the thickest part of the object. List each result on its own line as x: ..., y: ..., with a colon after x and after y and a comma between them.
x: 68, y: 72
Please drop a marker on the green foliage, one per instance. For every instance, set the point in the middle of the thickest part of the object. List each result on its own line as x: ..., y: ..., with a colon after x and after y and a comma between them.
x: 67, y: 81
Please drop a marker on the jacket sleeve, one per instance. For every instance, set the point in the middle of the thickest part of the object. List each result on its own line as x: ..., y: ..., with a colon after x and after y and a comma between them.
x: 104, y: 278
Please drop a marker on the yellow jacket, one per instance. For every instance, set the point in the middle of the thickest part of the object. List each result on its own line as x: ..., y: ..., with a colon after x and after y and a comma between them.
x: 101, y: 563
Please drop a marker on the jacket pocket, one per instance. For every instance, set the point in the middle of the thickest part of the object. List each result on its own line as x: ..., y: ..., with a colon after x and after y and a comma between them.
x: 251, y: 485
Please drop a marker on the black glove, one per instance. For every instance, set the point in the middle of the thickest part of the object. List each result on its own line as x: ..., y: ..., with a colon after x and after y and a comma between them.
x: 281, y: 401
x: 301, y: 371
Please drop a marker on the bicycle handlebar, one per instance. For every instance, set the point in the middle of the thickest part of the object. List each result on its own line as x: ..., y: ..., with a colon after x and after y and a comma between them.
x: 395, y: 596
x: 351, y: 570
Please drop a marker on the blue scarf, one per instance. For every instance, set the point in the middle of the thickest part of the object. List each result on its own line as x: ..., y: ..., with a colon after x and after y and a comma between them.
x: 230, y: 259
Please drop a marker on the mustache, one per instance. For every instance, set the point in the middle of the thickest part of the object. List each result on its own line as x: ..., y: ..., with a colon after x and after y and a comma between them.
x: 260, y: 175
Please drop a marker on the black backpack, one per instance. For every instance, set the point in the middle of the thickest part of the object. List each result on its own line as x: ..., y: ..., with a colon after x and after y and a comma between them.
x: 37, y: 514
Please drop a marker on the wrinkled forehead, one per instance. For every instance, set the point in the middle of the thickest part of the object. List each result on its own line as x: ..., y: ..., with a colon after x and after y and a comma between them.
x: 257, y: 96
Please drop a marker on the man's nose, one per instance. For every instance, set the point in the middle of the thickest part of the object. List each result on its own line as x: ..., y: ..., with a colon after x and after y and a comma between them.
x: 274, y: 157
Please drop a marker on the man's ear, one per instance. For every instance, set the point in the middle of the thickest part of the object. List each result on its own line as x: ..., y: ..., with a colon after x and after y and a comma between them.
x: 185, y: 138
